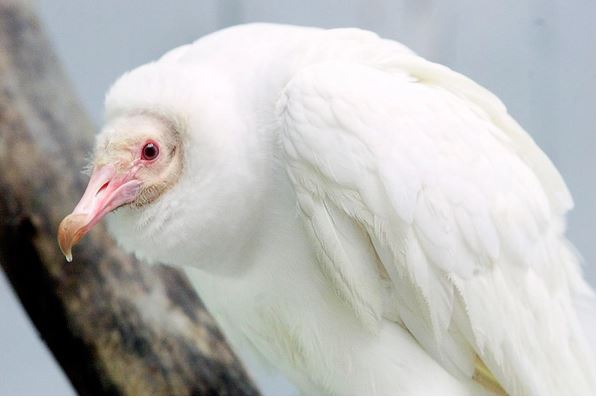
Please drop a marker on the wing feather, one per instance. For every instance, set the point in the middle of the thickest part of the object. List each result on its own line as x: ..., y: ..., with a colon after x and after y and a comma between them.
x: 411, y: 172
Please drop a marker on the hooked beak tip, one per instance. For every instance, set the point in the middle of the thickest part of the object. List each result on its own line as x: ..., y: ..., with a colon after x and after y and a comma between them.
x: 70, y: 232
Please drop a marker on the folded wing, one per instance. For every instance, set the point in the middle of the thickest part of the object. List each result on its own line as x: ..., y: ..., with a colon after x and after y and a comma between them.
x: 411, y: 176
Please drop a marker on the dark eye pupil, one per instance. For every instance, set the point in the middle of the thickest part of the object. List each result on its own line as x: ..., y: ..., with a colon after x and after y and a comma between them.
x: 150, y: 151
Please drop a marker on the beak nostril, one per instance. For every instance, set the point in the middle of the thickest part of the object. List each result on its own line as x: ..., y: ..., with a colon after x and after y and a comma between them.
x: 102, y: 187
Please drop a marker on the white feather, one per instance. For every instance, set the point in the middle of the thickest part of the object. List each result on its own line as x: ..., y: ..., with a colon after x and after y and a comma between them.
x: 430, y: 229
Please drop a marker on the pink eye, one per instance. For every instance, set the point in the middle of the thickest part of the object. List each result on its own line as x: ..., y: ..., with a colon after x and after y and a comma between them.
x: 150, y: 151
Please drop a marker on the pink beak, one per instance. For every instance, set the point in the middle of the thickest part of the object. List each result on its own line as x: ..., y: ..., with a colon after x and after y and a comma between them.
x: 105, y: 192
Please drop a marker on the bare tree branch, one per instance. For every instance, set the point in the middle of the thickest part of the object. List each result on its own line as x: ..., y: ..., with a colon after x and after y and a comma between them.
x: 114, y: 326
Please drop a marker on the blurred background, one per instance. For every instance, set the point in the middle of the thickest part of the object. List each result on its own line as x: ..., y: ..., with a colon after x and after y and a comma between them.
x: 538, y: 56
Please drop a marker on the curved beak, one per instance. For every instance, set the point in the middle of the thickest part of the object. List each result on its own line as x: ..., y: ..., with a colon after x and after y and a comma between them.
x: 105, y: 192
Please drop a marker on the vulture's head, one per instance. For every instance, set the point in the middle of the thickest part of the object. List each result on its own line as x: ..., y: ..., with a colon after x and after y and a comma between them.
x: 166, y: 171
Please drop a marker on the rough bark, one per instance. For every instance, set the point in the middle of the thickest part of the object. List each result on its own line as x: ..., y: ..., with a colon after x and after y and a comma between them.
x: 115, y: 326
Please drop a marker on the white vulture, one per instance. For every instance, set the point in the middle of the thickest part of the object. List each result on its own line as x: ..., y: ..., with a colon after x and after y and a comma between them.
x: 365, y: 220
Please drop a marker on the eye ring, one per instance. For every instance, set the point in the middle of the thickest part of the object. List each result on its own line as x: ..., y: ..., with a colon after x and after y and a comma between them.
x: 150, y: 151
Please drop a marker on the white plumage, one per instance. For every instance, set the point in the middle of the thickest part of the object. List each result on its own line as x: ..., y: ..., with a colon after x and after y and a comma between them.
x: 363, y: 219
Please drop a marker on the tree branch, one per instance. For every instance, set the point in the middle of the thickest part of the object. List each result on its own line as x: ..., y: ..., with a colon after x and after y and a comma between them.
x: 115, y: 327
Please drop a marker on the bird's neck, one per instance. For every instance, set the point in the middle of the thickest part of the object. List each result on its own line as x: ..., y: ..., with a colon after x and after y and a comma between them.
x: 276, y: 252
x: 275, y: 231
x: 268, y: 229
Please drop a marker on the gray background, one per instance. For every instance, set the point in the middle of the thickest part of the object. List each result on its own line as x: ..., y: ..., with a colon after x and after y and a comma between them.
x: 537, y: 56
